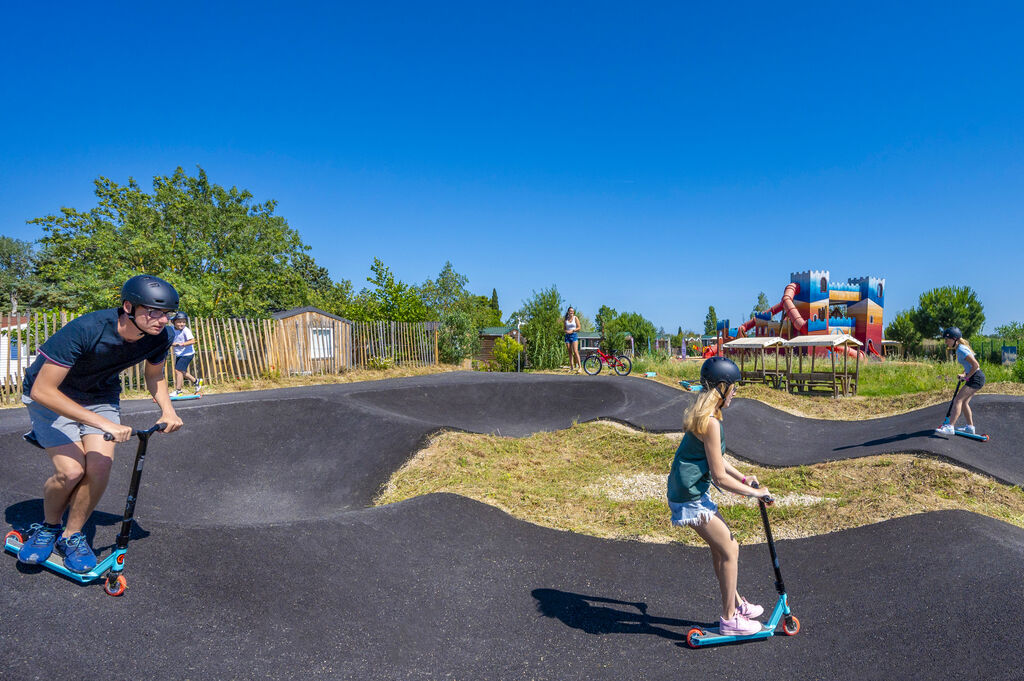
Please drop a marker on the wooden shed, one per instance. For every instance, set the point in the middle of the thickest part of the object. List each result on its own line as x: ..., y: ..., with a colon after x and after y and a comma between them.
x: 311, y: 340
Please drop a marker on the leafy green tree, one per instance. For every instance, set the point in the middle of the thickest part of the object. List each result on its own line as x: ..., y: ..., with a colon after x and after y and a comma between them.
x: 494, y: 302
x: 17, y: 279
x: 458, y: 337
x: 543, y: 330
x: 762, y: 305
x: 1011, y: 330
x: 446, y: 292
x: 949, y: 306
x: 902, y: 329
x: 636, y: 325
x: 393, y: 299
x: 605, y: 314
x: 710, y: 321
x: 225, y: 253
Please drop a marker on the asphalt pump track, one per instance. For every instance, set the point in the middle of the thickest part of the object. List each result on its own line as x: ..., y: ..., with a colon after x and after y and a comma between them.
x: 256, y: 553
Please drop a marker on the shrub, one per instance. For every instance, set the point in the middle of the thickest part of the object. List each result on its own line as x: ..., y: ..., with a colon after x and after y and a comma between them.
x: 1018, y: 370
x: 458, y: 338
x: 380, y: 363
x: 506, y: 353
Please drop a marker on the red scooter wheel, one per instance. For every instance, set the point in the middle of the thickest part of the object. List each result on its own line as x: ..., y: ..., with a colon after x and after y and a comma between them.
x: 690, y: 634
x: 17, y: 536
x: 117, y: 588
x: 791, y: 627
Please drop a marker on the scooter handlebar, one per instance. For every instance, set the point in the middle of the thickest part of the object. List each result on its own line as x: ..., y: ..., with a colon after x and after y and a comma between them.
x: 148, y: 431
x: 768, y: 500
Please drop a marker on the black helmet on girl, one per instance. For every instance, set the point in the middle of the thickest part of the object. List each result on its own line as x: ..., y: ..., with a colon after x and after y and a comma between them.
x: 717, y: 370
x: 952, y: 332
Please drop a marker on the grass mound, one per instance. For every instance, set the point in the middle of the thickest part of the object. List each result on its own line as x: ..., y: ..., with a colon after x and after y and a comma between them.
x: 608, y: 481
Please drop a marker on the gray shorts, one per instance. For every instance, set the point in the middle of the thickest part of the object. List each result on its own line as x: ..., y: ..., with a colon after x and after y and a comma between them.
x: 53, y: 430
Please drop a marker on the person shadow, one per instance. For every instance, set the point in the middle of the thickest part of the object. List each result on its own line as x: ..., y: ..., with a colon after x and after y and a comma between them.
x: 892, y: 438
x: 597, y: 615
x: 21, y: 515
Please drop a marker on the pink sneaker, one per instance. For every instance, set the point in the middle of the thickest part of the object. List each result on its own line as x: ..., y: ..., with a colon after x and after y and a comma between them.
x: 738, y: 626
x: 749, y: 610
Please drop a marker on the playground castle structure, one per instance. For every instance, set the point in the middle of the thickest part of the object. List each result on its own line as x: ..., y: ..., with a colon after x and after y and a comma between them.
x: 813, y: 305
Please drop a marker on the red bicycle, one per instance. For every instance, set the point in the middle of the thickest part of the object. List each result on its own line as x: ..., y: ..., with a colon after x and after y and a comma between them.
x: 621, y: 364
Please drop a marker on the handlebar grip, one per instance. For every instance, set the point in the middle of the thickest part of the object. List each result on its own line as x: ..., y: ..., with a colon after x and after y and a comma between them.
x: 768, y: 500
x: 148, y: 431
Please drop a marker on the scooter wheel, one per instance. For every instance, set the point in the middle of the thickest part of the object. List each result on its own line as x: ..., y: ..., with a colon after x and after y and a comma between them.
x: 690, y: 637
x: 117, y: 589
x: 791, y: 626
x: 15, y: 535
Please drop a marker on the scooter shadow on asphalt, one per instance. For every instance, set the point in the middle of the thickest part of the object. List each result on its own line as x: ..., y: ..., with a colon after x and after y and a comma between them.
x: 593, y: 615
x: 21, y: 515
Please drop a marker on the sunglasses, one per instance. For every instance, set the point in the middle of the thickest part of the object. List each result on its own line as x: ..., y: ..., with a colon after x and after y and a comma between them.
x: 154, y: 313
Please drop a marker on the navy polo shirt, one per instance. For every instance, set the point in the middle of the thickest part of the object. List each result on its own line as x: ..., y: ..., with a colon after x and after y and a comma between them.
x: 95, y: 354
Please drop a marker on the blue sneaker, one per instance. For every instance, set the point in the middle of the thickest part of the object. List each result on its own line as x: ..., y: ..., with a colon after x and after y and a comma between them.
x: 78, y: 557
x: 39, y: 544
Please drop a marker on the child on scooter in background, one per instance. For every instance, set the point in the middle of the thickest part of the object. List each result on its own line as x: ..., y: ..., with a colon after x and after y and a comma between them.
x: 973, y: 378
x: 697, y: 464
x: 184, y: 353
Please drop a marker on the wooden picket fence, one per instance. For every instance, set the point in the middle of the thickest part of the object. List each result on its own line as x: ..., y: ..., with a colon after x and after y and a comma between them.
x: 236, y: 349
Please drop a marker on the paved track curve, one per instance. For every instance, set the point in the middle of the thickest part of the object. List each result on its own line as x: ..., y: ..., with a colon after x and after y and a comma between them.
x: 256, y: 557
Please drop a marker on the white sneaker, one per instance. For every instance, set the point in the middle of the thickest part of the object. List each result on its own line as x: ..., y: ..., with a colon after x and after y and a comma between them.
x: 968, y: 429
x: 173, y: 393
x: 946, y: 430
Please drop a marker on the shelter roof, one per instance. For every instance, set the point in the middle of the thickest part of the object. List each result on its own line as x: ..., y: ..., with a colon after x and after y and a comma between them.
x: 754, y: 342
x: 832, y: 340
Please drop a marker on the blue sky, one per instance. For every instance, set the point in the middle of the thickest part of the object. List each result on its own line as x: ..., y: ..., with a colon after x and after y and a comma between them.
x: 657, y: 158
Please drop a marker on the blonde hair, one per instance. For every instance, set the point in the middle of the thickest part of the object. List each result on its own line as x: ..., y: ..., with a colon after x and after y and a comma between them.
x: 963, y: 341
x: 708, y: 404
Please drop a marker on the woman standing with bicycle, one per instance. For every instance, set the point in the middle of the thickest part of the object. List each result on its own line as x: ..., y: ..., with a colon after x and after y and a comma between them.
x: 571, y: 326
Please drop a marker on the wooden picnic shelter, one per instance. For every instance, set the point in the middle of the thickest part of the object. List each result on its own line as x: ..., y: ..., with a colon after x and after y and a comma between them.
x: 759, y: 347
x: 805, y: 349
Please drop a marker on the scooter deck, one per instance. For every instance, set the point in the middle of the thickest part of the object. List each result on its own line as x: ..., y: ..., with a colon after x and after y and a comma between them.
x: 55, y: 564
x: 185, y: 397
x: 973, y: 436
x: 711, y: 636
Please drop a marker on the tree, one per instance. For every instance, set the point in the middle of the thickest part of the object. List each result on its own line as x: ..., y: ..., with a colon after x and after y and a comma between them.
x: 446, y: 292
x: 636, y: 325
x: 1011, y: 330
x: 458, y: 337
x: 17, y: 279
x: 902, y: 329
x: 604, y: 315
x: 395, y: 300
x: 225, y: 253
x: 948, y: 306
x: 543, y: 316
x: 494, y: 302
x: 762, y: 305
x: 711, y: 322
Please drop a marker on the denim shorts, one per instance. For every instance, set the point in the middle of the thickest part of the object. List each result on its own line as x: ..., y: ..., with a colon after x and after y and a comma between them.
x: 977, y: 380
x: 181, y: 362
x: 693, y: 513
x: 53, y: 430
x: 571, y: 338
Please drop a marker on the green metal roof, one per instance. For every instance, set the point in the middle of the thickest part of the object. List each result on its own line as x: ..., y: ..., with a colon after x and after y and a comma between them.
x: 495, y: 330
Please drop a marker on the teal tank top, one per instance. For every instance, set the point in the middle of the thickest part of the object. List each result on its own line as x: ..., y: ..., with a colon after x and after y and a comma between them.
x: 690, y: 477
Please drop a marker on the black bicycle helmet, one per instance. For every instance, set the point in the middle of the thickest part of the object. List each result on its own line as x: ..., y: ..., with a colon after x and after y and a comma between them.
x: 180, y: 315
x: 717, y: 370
x: 145, y: 289
x: 952, y: 332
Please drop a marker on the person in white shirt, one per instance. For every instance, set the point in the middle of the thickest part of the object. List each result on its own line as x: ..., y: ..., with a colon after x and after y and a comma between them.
x: 184, y: 353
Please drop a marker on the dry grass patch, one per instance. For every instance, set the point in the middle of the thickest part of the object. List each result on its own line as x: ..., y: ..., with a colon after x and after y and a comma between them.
x: 607, y: 481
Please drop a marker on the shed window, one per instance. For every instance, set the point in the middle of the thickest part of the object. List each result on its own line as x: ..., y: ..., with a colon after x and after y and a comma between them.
x: 321, y: 344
